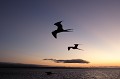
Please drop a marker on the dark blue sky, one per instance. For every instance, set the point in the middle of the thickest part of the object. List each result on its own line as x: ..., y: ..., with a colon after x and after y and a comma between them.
x: 26, y: 26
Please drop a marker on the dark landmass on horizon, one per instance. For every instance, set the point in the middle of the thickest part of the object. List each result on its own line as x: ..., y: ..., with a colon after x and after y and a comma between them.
x: 20, y: 65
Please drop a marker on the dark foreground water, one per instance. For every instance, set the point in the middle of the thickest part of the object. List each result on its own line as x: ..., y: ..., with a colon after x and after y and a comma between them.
x: 21, y: 73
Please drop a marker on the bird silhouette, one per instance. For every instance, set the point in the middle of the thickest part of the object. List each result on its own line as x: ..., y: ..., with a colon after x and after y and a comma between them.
x: 75, y: 47
x: 59, y: 29
x: 49, y: 73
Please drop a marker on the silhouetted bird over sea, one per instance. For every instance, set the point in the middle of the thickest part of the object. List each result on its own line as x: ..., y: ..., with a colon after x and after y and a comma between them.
x: 49, y: 73
x: 75, y: 47
x: 59, y: 29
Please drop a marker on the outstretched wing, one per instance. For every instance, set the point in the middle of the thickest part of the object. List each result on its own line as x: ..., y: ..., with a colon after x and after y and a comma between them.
x: 59, y: 25
x: 54, y: 33
x: 69, y: 48
x: 76, y: 45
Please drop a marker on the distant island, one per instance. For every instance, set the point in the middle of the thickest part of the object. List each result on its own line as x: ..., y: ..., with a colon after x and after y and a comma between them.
x: 21, y: 65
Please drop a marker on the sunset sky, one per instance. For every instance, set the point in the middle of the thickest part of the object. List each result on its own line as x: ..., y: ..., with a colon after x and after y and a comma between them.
x: 26, y: 26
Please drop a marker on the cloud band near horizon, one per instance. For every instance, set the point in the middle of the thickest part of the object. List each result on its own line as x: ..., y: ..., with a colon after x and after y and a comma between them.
x: 69, y: 61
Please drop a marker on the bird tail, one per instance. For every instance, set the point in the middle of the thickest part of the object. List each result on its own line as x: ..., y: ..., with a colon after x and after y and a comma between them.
x: 81, y: 49
x: 68, y: 30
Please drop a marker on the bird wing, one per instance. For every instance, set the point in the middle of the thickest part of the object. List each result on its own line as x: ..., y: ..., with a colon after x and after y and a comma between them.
x: 69, y: 48
x: 54, y: 33
x: 59, y: 25
x: 76, y: 45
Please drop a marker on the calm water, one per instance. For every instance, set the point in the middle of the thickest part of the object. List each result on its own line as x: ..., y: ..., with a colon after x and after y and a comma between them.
x: 13, y: 73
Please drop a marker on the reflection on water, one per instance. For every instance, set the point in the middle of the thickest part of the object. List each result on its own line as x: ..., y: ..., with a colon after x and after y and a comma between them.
x: 14, y: 73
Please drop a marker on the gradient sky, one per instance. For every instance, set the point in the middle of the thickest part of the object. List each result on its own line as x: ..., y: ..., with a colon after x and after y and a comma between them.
x: 26, y: 26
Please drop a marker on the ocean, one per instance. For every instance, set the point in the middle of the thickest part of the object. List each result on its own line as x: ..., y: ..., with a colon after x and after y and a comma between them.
x: 88, y: 73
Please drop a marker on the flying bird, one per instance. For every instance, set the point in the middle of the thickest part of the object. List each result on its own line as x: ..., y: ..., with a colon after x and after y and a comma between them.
x: 49, y: 73
x: 59, y: 29
x: 75, y: 47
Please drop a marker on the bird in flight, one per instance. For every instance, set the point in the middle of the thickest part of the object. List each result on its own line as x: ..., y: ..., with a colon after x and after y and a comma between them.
x: 49, y: 73
x: 59, y: 29
x: 75, y: 47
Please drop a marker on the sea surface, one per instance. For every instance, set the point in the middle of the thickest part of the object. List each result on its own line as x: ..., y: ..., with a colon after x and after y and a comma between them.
x: 93, y: 73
